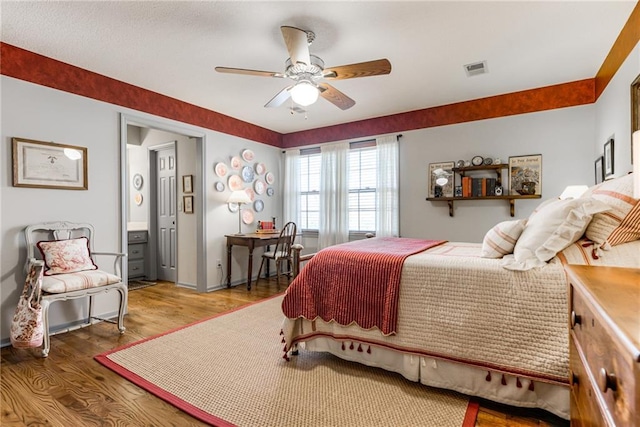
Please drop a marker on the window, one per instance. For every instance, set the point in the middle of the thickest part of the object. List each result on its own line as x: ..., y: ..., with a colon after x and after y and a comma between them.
x: 310, y: 191
x: 362, y: 189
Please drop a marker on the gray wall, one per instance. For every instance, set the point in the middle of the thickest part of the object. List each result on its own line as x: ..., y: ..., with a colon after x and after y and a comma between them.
x: 40, y: 113
x: 569, y: 140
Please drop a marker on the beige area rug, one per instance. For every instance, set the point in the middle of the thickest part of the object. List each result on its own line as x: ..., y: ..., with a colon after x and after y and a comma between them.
x: 229, y: 370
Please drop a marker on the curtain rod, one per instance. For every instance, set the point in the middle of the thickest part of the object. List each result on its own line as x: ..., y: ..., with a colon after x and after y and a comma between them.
x: 353, y: 142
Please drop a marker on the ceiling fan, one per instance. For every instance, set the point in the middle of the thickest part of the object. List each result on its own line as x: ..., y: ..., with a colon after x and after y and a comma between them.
x: 308, y: 71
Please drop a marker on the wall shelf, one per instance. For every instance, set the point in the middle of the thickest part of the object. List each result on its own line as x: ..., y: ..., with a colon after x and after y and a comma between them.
x: 511, y: 198
x: 498, y: 169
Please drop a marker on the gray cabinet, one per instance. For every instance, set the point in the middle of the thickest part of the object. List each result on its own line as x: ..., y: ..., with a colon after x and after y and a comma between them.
x: 137, y: 251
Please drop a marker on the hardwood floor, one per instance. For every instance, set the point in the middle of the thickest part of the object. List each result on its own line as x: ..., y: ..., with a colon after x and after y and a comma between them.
x: 69, y: 388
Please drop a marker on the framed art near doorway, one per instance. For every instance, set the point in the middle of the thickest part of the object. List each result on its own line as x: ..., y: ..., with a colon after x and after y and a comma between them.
x: 40, y: 164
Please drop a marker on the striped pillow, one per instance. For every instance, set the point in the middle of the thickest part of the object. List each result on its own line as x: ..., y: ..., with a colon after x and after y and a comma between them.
x: 621, y: 223
x: 502, y: 238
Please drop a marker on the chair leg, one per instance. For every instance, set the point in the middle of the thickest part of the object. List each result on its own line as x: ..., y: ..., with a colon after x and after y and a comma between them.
x: 46, y: 344
x: 260, y: 269
x: 278, y: 271
x: 123, y: 306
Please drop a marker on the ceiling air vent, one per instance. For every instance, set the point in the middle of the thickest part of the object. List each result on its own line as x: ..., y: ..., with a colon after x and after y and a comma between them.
x: 476, y: 68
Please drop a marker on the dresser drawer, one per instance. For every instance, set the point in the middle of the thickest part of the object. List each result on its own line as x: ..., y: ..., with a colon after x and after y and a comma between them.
x: 584, y: 405
x: 610, y: 366
x: 136, y: 268
x: 136, y: 251
x: 137, y: 236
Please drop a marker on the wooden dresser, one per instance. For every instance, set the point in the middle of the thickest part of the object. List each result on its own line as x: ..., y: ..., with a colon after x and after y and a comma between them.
x: 604, y: 313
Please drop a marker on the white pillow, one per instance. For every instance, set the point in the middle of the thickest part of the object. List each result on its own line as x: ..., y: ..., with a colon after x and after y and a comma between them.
x: 552, y: 228
x: 502, y: 238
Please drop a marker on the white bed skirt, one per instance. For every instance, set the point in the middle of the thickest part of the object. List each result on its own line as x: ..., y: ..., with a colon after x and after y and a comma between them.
x: 454, y: 376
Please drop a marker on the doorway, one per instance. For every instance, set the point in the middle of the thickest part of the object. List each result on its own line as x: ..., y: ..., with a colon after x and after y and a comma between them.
x: 161, y: 199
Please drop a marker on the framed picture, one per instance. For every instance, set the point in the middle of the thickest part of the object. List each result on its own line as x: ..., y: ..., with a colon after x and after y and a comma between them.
x: 188, y: 204
x: 635, y: 109
x: 187, y: 183
x: 525, y: 175
x: 599, y: 170
x: 608, y: 158
x: 39, y: 164
x: 441, y: 179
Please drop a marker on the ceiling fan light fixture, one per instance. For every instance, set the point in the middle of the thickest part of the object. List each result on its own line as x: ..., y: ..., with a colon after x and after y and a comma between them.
x: 304, y: 93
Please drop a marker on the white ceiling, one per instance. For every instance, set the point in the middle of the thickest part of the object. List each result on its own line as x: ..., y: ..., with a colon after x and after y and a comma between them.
x: 172, y: 48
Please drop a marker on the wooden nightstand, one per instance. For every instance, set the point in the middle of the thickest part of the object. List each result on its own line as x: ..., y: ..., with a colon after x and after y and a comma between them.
x: 604, y: 315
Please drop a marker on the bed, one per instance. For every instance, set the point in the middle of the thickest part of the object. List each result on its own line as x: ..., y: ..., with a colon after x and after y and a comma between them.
x: 489, y: 326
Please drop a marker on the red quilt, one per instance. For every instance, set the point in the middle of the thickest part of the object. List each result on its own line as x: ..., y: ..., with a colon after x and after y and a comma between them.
x: 356, y: 282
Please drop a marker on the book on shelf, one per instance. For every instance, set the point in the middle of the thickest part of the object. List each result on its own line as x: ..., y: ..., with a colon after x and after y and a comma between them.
x: 476, y: 187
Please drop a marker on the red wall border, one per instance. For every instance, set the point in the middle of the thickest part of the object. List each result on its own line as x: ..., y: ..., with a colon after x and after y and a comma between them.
x: 528, y: 101
x: 25, y: 65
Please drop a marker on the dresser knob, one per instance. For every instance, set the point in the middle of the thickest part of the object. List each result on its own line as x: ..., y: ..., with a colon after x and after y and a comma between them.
x: 576, y: 319
x: 607, y: 381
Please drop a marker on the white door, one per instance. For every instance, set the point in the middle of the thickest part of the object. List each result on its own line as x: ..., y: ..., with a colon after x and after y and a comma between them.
x: 166, y: 211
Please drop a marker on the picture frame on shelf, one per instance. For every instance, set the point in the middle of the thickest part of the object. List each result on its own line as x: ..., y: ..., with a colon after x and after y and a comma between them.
x: 608, y: 157
x: 39, y: 164
x: 525, y: 175
x: 599, y: 169
x: 188, y: 204
x: 441, y: 179
x: 187, y: 183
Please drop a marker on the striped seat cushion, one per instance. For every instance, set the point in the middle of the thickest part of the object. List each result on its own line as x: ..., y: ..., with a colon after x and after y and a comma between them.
x: 77, y: 281
x: 621, y: 223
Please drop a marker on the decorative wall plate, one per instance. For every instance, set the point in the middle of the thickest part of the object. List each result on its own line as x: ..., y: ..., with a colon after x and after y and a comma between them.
x: 235, y: 183
x: 258, y: 205
x: 247, y: 174
x: 247, y: 216
x: 138, y: 199
x: 219, y: 186
x: 259, y: 186
x: 233, y: 207
x: 248, y: 155
x: 250, y: 193
x: 236, y: 163
x: 260, y: 168
x: 221, y: 169
x: 269, y: 178
x: 137, y: 181
x: 270, y: 191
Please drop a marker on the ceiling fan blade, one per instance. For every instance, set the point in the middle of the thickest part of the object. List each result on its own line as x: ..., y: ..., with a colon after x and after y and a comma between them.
x: 297, y: 44
x: 280, y: 98
x: 336, y: 97
x: 249, y: 72
x: 361, y: 69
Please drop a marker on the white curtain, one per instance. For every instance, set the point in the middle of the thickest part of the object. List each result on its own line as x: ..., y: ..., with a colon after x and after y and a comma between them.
x: 291, y: 188
x: 334, y: 195
x: 387, y: 188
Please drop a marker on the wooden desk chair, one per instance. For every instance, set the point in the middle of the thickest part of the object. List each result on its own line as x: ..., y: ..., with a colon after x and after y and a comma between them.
x: 70, y: 271
x: 281, y: 252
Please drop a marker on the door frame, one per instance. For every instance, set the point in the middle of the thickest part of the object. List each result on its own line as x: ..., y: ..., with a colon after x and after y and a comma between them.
x: 200, y: 208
